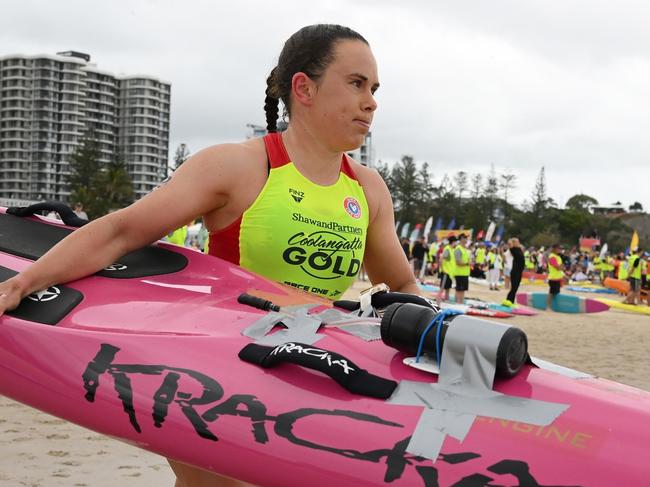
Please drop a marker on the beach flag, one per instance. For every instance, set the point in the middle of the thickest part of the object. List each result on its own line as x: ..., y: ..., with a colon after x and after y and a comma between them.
x: 427, y: 228
x: 438, y: 227
x: 634, y: 243
x: 479, y: 235
x: 603, y: 251
x: 452, y: 224
x: 397, y: 225
x: 416, y: 232
x: 499, y: 233
x: 490, y: 231
x: 405, y: 230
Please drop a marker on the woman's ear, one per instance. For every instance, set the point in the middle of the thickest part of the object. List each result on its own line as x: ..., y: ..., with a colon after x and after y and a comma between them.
x: 303, y: 89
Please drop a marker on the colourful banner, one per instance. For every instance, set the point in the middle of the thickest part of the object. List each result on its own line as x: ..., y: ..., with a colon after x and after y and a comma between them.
x: 588, y: 244
x: 441, y: 234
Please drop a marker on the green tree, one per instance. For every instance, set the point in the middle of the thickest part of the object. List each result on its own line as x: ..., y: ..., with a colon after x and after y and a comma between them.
x: 540, y: 202
x: 98, y: 187
x: 427, y: 191
x: 636, y: 206
x: 407, y: 189
x: 84, y: 165
x: 115, y: 187
x: 182, y: 154
x: 581, y: 202
x: 460, y: 184
x: 491, y: 192
x: 477, y: 186
x: 507, y: 185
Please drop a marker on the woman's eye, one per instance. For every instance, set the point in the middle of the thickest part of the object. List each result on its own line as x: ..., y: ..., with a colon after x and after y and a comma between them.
x: 357, y: 83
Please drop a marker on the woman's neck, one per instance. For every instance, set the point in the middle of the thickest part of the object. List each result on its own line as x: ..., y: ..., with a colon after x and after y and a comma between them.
x: 310, y: 155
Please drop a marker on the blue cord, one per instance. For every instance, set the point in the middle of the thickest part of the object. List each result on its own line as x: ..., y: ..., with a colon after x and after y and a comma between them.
x: 437, y: 320
x: 438, y: 332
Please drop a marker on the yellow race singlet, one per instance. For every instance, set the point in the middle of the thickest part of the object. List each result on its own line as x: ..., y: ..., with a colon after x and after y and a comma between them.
x: 297, y: 232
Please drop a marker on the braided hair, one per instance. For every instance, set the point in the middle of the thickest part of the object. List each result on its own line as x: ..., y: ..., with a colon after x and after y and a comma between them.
x: 310, y: 51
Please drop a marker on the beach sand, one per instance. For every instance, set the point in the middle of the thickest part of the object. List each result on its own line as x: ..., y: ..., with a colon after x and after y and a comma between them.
x: 37, y: 449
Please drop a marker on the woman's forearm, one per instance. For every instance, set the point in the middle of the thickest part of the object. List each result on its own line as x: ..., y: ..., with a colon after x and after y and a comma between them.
x: 84, y: 252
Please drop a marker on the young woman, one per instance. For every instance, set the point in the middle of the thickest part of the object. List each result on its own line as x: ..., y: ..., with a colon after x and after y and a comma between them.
x: 495, y: 266
x: 518, y: 264
x: 261, y: 199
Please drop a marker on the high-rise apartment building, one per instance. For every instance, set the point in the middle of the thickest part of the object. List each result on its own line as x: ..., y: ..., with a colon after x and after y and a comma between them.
x: 364, y: 154
x: 48, y: 103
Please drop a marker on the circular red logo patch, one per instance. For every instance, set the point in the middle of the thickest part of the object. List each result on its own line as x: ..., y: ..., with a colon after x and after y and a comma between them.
x: 353, y: 207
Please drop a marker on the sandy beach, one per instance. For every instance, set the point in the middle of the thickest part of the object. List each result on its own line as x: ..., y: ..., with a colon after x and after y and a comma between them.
x: 37, y: 449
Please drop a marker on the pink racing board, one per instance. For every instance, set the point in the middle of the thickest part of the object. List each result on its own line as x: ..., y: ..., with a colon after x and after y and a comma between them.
x: 153, y: 360
x: 563, y: 303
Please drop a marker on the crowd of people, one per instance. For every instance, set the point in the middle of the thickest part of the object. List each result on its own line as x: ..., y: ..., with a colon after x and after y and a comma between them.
x: 505, y: 263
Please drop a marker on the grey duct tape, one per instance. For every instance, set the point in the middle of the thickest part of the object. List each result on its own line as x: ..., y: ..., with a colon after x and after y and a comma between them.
x: 469, y: 353
x: 464, y: 390
x: 262, y: 326
x: 331, y: 315
x: 366, y: 331
x: 300, y: 329
x: 559, y: 369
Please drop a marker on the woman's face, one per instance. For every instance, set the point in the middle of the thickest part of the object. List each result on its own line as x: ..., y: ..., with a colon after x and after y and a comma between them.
x: 344, y: 104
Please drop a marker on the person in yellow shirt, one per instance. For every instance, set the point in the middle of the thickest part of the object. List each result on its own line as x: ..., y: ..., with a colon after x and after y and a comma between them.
x: 634, y: 277
x: 461, y: 268
x: 555, y: 274
x: 446, y: 269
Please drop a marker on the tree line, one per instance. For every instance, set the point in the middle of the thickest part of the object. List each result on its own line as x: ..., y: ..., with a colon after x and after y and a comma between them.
x: 102, y: 187
x: 474, y: 200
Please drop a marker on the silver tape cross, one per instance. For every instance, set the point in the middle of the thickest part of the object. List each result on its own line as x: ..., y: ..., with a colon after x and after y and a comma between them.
x: 303, y: 327
x: 464, y: 390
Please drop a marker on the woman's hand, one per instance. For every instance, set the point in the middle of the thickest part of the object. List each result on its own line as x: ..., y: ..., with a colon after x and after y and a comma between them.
x: 11, y: 293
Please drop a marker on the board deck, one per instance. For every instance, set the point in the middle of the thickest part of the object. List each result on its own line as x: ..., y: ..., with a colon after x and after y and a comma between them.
x: 153, y: 361
x: 562, y: 303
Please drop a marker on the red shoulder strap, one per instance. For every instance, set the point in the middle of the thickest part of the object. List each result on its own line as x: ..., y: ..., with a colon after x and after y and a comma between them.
x: 275, y: 150
x: 346, y: 168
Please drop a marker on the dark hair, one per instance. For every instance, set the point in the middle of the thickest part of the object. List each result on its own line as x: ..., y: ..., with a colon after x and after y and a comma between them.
x: 310, y: 50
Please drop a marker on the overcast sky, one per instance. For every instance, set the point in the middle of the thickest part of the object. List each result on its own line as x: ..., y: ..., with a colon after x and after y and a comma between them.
x: 563, y: 84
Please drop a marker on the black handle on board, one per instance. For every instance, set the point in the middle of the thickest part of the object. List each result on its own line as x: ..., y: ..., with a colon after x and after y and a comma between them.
x: 65, y: 212
x: 332, y: 364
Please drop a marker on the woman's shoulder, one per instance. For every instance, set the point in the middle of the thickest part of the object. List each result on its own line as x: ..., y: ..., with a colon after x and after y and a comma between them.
x: 365, y: 175
x: 374, y: 188
x: 234, y: 153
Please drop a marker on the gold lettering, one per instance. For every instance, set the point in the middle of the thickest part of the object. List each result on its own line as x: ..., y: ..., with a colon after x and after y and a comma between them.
x: 523, y: 427
x: 579, y: 440
x: 559, y: 435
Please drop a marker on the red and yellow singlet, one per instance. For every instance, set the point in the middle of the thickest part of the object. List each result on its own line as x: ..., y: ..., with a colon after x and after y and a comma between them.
x: 297, y: 232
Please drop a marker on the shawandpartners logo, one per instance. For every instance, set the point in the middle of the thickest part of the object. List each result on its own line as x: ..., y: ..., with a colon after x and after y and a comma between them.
x: 331, y: 225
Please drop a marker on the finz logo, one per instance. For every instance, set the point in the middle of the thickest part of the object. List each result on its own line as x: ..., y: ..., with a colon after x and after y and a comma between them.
x: 352, y: 206
x: 45, y: 295
x: 115, y: 267
x: 296, y: 195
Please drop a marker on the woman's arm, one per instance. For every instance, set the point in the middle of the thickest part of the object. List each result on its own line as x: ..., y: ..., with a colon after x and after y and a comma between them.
x: 200, y: 185
x: 385, y: 260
